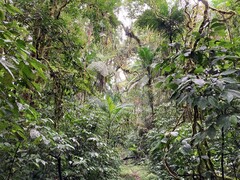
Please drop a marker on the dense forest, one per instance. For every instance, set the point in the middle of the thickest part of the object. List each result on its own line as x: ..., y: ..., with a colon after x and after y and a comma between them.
x: 110, y: 89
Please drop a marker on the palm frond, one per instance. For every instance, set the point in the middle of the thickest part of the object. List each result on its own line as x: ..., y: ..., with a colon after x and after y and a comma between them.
x: 146, y: 55
x: 150, y: 20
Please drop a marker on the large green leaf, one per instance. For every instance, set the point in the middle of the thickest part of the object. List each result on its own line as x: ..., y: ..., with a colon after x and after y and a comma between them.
x: 213, y: 101
x: 162, y: 7
x: 186, y: 149
x: 211, y: 132
x: 199, y: 82
x: 223, y: 122
x: 228, y: 72
x: 26, y: 70
x: 229, y: 80
x: 12, y: 9
x: 235, y: 93
x: 233, y: 120
x: 20, y: 44
x: 110, y: 103
x: 2, y: 15
x: 228, y: 96
x: 199, y: 70
x: 199, y: 137
x: 7, y: 65
x: 39, y: 67
x: 202, y: 102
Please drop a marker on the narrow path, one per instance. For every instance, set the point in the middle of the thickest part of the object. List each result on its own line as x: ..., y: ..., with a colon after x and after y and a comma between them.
x: 132, y: 171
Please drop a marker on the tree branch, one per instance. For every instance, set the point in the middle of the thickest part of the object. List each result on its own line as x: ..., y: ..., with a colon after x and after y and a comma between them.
x: 130, y: 34
x: 61, y: 7
x: 169, y: 170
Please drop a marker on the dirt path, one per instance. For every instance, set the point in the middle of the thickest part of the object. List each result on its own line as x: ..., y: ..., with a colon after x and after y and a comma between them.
x: 136, y: 172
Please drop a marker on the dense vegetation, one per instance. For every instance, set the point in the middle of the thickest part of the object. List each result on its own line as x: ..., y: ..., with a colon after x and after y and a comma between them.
x: 80, y: 101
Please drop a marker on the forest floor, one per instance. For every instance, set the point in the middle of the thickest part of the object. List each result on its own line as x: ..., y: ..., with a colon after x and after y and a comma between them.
x: 132, y: 171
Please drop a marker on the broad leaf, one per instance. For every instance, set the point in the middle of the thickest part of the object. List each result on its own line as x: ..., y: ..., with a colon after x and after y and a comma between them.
x: 213, y: 101
x: 233, y: 120
x: 7, y: 66
x: 235, y: 93
x: 229, y: 80
x: 228, y: 96
x: 202, y: 102
x: 211, y: 132
x: 186, y: 149
x: 228, y: 72
x: 199, y: 82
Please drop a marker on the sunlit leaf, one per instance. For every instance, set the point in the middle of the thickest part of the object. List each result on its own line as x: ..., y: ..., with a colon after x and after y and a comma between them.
x: 2, y: 15
x: 199, y: 70
x: 34, y: 133
x: 39, y: 67
x: 167, y: 69
x: 199, y: 82
x: 7, y: 66
x: 174, y: 133
x: 27, y: 71
x: 186, y: 148
x: 12, y: 9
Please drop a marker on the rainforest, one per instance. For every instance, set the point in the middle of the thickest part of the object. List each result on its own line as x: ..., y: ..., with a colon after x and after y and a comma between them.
x: 119, y: 89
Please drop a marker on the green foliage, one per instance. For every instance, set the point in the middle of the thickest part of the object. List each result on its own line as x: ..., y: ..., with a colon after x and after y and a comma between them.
x: 100, y: 13
x: 163, y: 18
x: 148, y: 19
x: 42, y: 73
x: 131, y: 172
x: 114, y: 115
x: 35, y: 152
x: 91, y: 156
x: 147, y: 56
x: 205, y: 86
x: 59, y: 120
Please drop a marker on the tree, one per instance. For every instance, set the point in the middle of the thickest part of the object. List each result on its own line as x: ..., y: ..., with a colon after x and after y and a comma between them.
x: 163, y: 18
x: 74, y: 99
x: 43, y: 70
x: 204, y: 85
